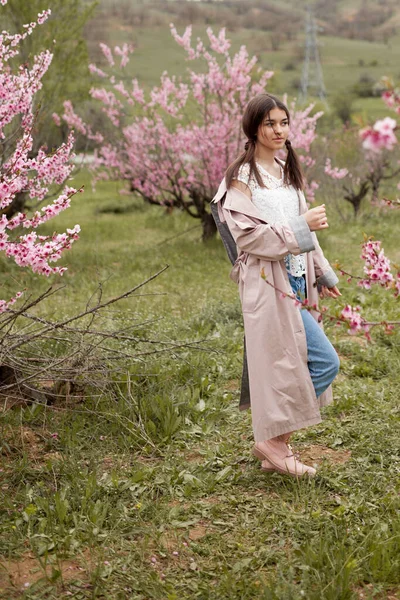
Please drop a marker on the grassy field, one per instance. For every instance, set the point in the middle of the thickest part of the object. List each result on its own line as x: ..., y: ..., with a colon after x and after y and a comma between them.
x: 151, y: 491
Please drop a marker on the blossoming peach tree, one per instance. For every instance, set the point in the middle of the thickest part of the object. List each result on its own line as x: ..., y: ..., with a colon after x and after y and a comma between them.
x: 174, y: 144
x: 376, y: 140
x: 378, y: 145
x: 19, y: 238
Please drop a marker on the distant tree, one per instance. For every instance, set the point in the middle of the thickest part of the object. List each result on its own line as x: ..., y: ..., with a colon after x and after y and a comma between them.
x: 173, y: 144
x: 380, y: 163
x: 342, y: 103
x: 365, y: 87
x: 276, y: 40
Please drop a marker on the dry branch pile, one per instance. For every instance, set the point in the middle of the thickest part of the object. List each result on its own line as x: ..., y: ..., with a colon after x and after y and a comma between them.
x: 50, y: 361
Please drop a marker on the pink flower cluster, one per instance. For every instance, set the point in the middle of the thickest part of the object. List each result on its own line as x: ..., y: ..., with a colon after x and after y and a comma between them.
x: 380, y: 136
x: 5, y: 305
x: 355, y: 320
x: 392, y: 99
x: 335, y: 172
x: 309, y: 189
x: 36, y: 251
x: 20, y: 173
x: 377, y: 268
x: 76, y: 123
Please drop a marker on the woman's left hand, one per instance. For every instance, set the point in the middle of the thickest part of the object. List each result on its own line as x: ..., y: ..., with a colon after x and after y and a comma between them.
x: 332, y: 292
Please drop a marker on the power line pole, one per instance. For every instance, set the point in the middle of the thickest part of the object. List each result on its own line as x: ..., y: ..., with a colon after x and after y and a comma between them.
x: 312, y: 76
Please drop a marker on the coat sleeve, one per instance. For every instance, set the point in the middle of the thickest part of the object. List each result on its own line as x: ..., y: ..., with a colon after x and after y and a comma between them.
x: 324, y: 273
x: 270, y: 242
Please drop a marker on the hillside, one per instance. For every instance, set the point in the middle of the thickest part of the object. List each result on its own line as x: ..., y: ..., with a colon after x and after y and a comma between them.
x: 350, y: 62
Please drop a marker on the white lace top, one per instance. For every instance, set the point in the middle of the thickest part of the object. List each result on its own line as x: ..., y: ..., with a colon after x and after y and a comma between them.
x: 277, y: 203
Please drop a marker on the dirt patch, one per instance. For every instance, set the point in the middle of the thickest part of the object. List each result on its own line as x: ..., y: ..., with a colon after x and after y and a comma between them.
x: 317, y: 454
x: 198, y: 532
x: 358, y: 339
x: 170, y: 541
x: 109, y: 463
x: 20, y: 574
x: 232, y: 385
x: 364, y: 592
x: 9, y: 402
x: 24, y: 439
x: 180, y: 503
x: 194, y: 456
x: 211, y: 500
x: 53, y: 456
x: 148, y: 460
x: 174, y: 552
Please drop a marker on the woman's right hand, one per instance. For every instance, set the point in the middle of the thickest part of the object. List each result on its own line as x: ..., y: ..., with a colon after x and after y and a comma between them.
x: 316, y: 218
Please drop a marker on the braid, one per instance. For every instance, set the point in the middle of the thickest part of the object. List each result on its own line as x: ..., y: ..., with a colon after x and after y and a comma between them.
x: 292, y: 172
x: 246, y: 157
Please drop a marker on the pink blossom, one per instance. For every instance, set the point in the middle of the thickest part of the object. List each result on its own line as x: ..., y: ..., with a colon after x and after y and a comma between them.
x: 355, y: 320
x: 107, y: 53
x: 96, y: 71
x: 56, y: 119
x: 377, y: 266
x: 219, y: 44
x: 185, y: 40
x: 124, y: 53
x: 379, y: 137
x: 22, y: 173
x: 310, y: 189
x: 334, y: 172
x: 391, y: 98
x: 385, y: 126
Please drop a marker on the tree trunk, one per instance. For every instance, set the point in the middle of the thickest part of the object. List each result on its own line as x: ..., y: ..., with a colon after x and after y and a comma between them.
x: 355, y: 198
x: 209, y: 227
x: 16, y: 205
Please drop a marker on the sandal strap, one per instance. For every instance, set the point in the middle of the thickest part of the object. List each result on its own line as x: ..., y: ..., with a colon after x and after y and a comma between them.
x: 296, y: 455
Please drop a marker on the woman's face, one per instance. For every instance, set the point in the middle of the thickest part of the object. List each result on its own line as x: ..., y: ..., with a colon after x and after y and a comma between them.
x: 274, y: 129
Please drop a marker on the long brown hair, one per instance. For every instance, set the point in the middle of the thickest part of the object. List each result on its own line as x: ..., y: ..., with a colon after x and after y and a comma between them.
x: 256, y: 110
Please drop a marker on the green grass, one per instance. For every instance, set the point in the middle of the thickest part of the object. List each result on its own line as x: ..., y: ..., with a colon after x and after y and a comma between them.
x: 151, y: 492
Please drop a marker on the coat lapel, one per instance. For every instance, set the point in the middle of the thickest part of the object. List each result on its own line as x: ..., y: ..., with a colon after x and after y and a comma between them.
x: 236, y: 200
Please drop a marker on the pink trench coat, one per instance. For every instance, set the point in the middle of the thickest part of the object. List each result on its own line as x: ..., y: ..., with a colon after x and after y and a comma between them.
x: 282, y: 393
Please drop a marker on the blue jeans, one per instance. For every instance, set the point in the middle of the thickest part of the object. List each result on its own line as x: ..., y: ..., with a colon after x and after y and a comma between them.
x: 323, y: 361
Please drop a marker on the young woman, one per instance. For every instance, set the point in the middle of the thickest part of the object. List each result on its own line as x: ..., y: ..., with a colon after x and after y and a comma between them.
x: 291, y: 362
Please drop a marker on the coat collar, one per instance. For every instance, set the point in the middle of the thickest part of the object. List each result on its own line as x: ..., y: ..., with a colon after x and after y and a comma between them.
x: 236, y: 200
